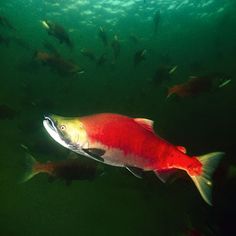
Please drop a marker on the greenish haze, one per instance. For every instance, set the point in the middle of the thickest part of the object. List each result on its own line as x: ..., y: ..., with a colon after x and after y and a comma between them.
x: 196, y: 35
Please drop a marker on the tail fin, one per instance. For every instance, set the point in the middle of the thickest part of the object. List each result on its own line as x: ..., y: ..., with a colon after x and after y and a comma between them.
x: 203, y: 182
x: 30, y: 168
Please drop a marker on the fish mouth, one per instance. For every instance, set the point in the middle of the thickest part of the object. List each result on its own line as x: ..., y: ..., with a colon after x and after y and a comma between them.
x: 51, y: 127
x: 49, y: 123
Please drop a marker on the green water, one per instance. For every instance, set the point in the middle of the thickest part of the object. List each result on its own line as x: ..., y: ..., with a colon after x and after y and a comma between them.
x: 197, y: 36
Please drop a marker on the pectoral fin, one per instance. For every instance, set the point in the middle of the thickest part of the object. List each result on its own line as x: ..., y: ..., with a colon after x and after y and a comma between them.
x: 95, y: 153
x: 135, y: 171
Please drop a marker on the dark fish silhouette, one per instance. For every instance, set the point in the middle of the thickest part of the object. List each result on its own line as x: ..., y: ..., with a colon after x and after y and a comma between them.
x: 58, y: 32
x: 60, y: 65
x: 67, y: 170
x: 198, y: 85
x: 163, y: 73
x: 139, y: 56
x: 103, y: 36
x: 102, y: 59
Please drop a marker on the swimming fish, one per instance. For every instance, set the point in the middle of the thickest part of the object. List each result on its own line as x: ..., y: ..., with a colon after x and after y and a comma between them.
x: 131, y: 143
x: 163, y: 73
x: 197, y: 85
x: 139, y: 56
x: 68, y: 170
x: 61, y: 66
x: 193, y: 87
x: 102, y: 59
x: 58, y: 32
x: 103, y: 36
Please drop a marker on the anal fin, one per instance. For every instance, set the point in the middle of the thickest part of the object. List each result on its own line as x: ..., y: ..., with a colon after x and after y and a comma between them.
x: 135, y: 171
x: 164, y: 175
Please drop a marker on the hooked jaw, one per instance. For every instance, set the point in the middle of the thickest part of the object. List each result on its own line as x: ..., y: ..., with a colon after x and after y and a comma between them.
x: 70, y: 134
x: 50, y: 125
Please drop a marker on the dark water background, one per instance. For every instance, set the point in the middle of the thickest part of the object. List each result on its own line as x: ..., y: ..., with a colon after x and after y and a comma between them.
x: 200, y: 39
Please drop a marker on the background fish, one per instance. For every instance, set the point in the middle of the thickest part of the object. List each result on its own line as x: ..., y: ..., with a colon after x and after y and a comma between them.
x: 67, y: 170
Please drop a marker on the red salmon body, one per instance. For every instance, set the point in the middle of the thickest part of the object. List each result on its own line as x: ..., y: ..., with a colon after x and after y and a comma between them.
x: 137, y: 143
x: 122, y: 141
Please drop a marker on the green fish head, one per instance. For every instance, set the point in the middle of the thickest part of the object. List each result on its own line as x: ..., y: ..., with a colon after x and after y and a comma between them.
x: 67, y: 131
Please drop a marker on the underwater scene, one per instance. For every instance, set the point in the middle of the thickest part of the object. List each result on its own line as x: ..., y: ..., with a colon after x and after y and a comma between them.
x: 118, y: 117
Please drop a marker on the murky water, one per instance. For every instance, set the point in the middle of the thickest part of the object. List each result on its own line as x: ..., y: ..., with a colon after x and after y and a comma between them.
x: 196, y: 37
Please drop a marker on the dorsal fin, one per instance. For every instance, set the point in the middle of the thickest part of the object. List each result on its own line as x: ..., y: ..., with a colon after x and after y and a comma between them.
x: 145, y: 123
x: 182, y: 149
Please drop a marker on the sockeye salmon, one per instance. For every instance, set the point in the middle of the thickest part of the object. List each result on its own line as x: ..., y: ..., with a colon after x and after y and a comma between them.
x: 122, y: 141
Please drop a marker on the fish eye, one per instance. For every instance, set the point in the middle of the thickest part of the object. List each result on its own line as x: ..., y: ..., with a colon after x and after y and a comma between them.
x: 62, y: 127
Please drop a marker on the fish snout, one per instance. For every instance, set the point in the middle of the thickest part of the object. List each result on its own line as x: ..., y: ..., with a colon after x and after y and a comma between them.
x: 48, y: 121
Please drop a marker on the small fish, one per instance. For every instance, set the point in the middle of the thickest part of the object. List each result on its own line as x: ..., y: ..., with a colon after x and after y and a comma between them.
x: 163, y: 73
x: 131, y: 143
x: 193, y: 87
x: 197, y: 85
x: 115, y: 44
x: 102, y: 59
x: 139, y: 56
x: 58, y: 32
x: 57, y: 63
x: 103, y: 36
x: 67, y: 170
